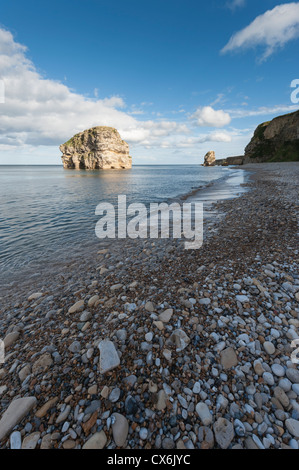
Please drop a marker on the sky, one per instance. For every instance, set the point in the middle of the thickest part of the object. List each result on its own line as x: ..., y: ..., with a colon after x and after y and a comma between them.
x: 176, y: 78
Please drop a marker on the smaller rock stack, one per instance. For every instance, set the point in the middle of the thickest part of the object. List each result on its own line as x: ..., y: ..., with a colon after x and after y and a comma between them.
x: 209, y: 159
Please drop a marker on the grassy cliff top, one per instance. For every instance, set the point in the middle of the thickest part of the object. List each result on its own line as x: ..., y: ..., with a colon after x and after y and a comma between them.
x: 276, y: 140
x: 93, y: 130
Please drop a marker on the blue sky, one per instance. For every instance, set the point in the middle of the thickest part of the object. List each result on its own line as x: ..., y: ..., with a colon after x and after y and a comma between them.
x: 176, y: 78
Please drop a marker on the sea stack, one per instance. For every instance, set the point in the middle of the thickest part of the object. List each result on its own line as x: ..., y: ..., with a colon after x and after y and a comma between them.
x: 209, y: 159
x: 98, y: 148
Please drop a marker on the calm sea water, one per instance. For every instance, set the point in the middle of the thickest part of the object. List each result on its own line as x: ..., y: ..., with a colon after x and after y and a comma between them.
x: 47, y: 212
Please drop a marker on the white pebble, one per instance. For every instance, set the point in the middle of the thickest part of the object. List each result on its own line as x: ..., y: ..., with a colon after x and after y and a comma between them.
x: 242, y: 298
x: 15, y: 440
x: 149, y: 337
x: 143, y: 433
x: 204, y: 413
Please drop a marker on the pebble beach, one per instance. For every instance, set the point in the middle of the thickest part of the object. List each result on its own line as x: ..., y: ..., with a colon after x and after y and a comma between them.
x: 146, y: 345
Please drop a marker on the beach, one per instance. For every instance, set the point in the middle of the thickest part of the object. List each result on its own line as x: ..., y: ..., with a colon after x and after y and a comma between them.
x: 204, y: 339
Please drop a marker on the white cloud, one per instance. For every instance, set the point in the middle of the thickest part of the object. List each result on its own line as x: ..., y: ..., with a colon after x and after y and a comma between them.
x: 234, y: 4
x: 175, y: 141
x: 262, y: 111
x: 209, y: 117
x: 272, y: 30
x: 41, y: 111
x: 217, y: 137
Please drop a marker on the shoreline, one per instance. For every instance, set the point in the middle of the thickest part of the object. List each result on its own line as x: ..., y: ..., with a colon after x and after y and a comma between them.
x: 204, y: 336
x: 38, y: 270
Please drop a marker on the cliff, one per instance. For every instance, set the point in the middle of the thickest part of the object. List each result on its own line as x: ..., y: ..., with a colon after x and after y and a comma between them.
x: 275, y: 141
x: 230, y: 161
x: 98, y: 148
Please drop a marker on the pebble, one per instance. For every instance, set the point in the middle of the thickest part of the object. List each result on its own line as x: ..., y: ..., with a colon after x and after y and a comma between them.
x: 206, y: 437
x: 228, y: 358
x: 285, y: 384
x: 278, y: 370
x: 204, y: 413
x: 120, y: 428
x: 196, y: 388
x: 76, y: 307
x: 205, y: 301
x: 240, y: 429
x: 15, y: 440
x: 168, y: 443
x: 161, y: 400
x: 114, y: 395
x: 149, y: 307
x: 109, y: 358
x: 16, y: 411
x: 63, y: 415
x: 224, y: 432
x: 30, y: 441
x: 35, y: 296
x: 166, y: 315
x: 293, y: 427
x: 96, y: 441
x: 281, y: 396
x: 149, y: 337
x: 41, y: 412
x: 10, y: 339
x: 268, y: 378
x: 93, y: 300
x: 293, y: 375
x: 180, y: 339
x: 143, y: 433
x: 75, y: 347
x: 269, y: 347
x: 85, y: 316
x: 242, y: 298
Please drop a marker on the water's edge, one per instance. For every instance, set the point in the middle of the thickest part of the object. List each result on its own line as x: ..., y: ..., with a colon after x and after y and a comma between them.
x: 228, y: 186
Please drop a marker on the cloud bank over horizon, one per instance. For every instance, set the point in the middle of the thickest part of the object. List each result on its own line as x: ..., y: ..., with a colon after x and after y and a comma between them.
x: 43, y: 112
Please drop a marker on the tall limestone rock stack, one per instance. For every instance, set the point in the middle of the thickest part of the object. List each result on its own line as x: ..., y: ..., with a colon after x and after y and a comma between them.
x: 209, y: 159
x: 98, y: 148
x: 276, y: 140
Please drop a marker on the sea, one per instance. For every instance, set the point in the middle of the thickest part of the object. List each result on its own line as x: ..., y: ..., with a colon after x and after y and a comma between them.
x: 47, y: 213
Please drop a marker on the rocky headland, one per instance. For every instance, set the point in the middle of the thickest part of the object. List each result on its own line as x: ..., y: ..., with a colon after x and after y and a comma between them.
x: 98, y: 148
x: 272, y: 141
x: 275, y: 141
